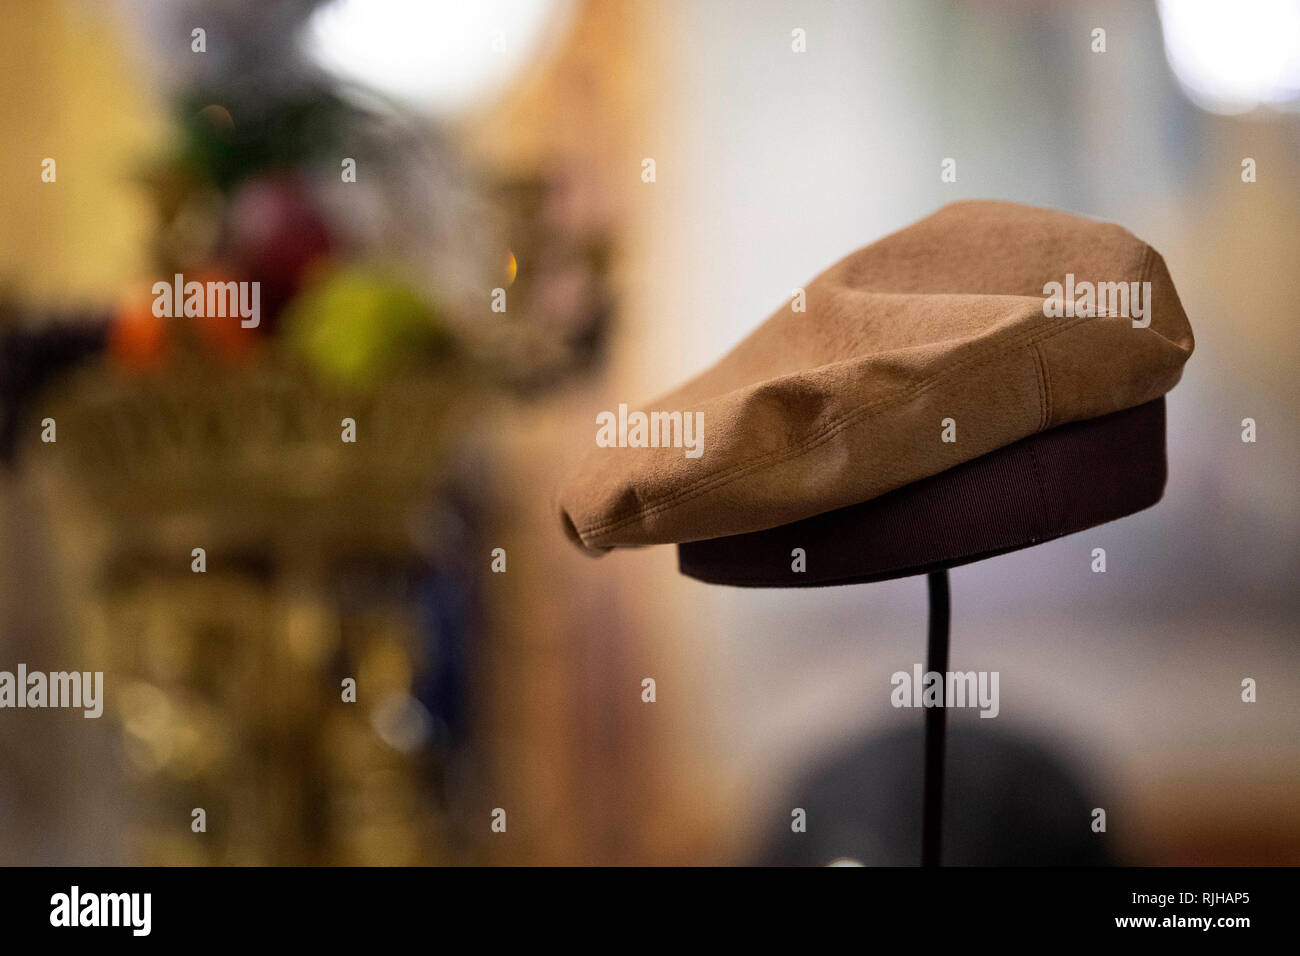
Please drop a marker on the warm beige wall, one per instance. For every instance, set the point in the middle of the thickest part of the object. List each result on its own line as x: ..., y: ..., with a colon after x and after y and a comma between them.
x: 68, y: 91
x: 598, y: 775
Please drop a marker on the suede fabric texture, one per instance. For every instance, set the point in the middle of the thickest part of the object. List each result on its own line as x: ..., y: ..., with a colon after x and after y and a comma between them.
x: 842, y: 403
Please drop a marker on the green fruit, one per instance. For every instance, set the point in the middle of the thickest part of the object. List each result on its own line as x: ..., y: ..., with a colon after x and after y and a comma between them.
x: 356, y: 324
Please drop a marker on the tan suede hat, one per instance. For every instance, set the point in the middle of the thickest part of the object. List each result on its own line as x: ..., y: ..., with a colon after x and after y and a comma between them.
x: 979, y: 325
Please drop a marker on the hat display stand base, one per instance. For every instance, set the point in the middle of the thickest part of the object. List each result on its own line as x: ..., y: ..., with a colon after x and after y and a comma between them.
x: 1053, y: 483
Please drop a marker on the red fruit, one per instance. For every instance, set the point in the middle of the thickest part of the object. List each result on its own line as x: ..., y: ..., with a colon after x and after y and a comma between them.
x: 274, y: 235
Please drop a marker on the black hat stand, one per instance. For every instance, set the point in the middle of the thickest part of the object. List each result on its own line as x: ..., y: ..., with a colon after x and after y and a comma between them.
x: 936, y: 661
x: 1047, y: 485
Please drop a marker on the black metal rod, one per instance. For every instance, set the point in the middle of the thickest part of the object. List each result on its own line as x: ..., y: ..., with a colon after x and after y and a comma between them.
x: 936, y: 660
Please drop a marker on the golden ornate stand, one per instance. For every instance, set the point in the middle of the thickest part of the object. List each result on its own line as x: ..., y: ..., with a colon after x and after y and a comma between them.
x: 227, y: 684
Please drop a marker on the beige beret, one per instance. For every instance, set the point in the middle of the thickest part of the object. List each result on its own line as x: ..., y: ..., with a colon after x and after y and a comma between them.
x: 969, y: 330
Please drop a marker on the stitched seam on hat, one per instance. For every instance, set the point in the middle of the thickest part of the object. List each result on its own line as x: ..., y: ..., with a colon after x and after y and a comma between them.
x: 1047, y: 388
x: 1042, y: 385
x: 1144, y: 272
x: 829, y: 430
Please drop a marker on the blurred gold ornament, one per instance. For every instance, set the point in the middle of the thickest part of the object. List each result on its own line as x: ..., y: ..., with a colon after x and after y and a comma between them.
x: 226, y: 682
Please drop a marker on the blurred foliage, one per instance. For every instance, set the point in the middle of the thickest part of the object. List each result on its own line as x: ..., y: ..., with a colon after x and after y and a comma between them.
x: 275, y: 130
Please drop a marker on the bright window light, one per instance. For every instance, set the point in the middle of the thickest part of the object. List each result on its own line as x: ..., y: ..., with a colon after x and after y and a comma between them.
x: 1232, y: 57
x: 441, y: 56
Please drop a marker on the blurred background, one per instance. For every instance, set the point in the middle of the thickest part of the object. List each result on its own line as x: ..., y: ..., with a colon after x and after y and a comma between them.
x: 500, y: 146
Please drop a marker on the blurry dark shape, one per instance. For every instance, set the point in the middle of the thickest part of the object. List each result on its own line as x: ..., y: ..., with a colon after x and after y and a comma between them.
x: 32, y: 356
x: 250, y: 103
x: 269, y: 128
x: 451, y: 599
x: 1008, y: 801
